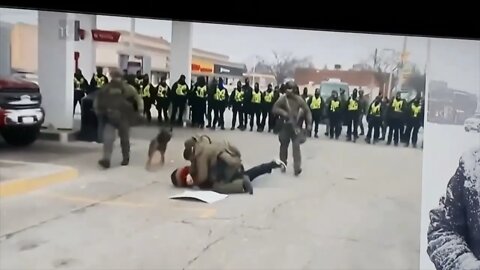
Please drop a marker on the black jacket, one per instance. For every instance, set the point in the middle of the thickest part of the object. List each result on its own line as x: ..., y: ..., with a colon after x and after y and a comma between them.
x: 454, y: 232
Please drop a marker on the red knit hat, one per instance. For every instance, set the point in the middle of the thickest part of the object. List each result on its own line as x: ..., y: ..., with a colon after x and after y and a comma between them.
x: 179, y: 176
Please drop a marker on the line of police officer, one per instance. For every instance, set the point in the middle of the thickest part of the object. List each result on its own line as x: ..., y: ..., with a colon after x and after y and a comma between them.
x: 402, y: 119
x: 252, y: 107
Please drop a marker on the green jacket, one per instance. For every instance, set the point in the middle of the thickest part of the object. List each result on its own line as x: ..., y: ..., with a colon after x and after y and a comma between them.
x: 115, y: 101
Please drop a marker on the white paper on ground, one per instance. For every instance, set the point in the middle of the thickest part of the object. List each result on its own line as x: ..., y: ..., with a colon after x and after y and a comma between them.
x: 201, y: 195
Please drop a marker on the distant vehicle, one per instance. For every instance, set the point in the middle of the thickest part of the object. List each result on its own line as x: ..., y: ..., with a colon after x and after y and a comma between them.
x: 21, y: 114
x: 326, y: 88
x: 449, y: 106
x: 472, y: 123
x: 408, y: 94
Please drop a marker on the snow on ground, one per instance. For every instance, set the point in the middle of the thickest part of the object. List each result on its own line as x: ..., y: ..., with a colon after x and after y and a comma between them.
x: 444, y: 144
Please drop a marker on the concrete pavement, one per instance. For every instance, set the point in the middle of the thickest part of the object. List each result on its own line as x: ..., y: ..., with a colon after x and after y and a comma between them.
x: 355, y: 206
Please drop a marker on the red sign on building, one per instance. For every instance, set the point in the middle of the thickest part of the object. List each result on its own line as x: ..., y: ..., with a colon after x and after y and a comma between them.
x: 105, y: 36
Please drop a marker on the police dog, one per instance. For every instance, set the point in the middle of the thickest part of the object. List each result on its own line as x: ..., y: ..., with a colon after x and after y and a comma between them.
x: 158, y: 145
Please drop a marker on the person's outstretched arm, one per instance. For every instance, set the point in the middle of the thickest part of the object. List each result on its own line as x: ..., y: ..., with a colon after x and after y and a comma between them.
x: 447, y: 246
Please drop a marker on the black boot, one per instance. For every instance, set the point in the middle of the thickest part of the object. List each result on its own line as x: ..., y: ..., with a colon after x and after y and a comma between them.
x: 298, y: 172
x: 104, y: 163
x: 125, y: 161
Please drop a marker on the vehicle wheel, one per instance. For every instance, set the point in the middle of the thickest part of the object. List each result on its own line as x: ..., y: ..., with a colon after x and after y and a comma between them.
x: 467, y: 129
x: 21, y: 136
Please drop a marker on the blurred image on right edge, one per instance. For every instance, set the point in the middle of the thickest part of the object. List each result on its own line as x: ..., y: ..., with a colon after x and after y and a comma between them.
x: 450, y: 222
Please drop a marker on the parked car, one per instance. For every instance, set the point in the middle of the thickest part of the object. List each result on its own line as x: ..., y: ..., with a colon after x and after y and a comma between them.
x: 472, y: 123
x: 21, y: 113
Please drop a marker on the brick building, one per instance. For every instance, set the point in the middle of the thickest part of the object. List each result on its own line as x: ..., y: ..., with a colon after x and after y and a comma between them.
x: 370, y: 81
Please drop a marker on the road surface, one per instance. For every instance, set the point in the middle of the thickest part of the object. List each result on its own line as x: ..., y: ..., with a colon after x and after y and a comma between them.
x: 355, y: 206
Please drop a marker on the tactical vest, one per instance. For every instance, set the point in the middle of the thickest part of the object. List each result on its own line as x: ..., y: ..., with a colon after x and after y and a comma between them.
x: 78, y: 83
x: 181, y: 90
x: 352, y: 105
x: 113, y: 103
x: 220, y: 95
x: 162, y: 91
x: 397, y: 105
x: 146, y: 91
x: 201, y: 92
x: 256, y: 97
x: 99, y: 80
x: 239, y: 95
x: 316, y: 103
x: 268, y: 97
x: 416, y: 110
x: 334, y: 105
x: 375, y: 109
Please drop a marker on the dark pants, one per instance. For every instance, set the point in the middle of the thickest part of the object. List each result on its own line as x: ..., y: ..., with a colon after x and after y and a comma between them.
x: 261, y: 169
x: 219, y: 116
x: 162, y: 108
x: 109, y: 134
x: 247, y: 107
x: 411, y: 133
x: 374, y: 127
x: 287, y: 135
x: 360, y: 124
x: 255, y: 112
x: 178, y: 107
x: 316, y: 117
x: 211, y: 107
x: 147, y: 105
x: 198, y: 113
x: 394, y: 130
x: 335, y: 126
x: 384, y: 127
x: 77, y: 99
x: 267, y: 113
x: 237, y: 110
x: 352, y: 125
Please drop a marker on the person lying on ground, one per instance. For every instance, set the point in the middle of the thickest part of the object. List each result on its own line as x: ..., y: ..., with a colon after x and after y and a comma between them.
x: 454, y: 232
x: 181, y: 177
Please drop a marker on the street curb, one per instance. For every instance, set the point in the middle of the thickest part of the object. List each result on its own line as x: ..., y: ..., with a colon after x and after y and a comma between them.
x: 20, y: 186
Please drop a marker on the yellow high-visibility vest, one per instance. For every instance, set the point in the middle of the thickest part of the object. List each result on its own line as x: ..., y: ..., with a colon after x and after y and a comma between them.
x: 146, y: 91
x: 181, y: 90
x: 239, y: 95
x: 397, y: 105
x: 78, y: 83
x: 201, y: 91
x: 256, y: 97
x: 99, y: 80
x: 352, y: 105
x: 162, y: 91
x: 220, y: 94
x: 316, y: 103
x: 334, y: 105
x: 375, y: 110
x: 416, y: 109
x: 268, y: 97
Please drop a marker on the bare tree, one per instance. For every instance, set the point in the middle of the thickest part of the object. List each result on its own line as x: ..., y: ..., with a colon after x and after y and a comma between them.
x: 283, y: 65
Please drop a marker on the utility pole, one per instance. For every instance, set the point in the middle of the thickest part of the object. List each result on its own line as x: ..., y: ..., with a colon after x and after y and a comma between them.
x: 402, y: 63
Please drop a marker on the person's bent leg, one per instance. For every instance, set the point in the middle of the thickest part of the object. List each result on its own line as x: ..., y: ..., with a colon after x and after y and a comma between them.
x: 284, y: 139
x: 297, y: 157
x: 108, y: 141
x: 124, y: 134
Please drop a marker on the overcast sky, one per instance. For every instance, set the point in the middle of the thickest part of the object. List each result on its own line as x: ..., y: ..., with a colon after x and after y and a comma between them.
x: 455, y: 61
